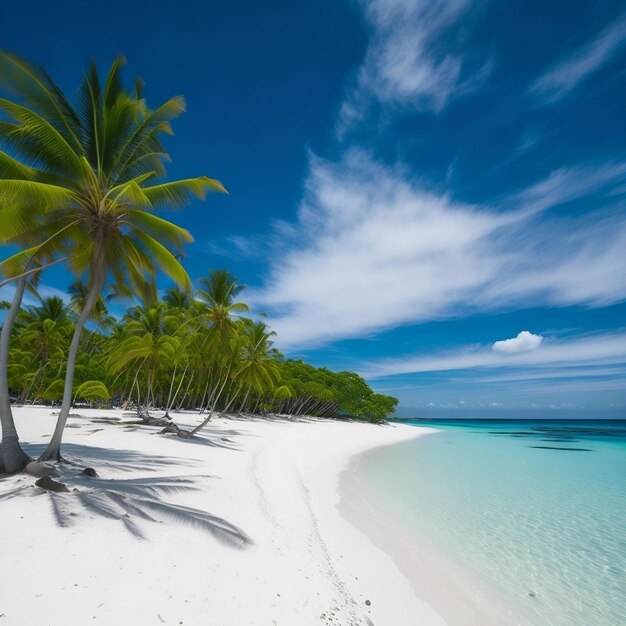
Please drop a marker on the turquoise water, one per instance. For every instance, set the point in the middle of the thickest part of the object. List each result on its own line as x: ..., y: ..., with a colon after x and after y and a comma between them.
x: 534, y: 511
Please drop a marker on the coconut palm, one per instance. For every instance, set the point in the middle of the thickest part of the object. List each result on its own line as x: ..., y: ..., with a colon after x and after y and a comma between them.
x: 79, y: 293
x: 178, y: 298
x: 47, y: 334
x: 149, y: 340
x: 52, y: 308
x: 12, y: 458
x: 220, y: 288
x: 218, y: 347
x: 83, y: 179
x: 258, y: 370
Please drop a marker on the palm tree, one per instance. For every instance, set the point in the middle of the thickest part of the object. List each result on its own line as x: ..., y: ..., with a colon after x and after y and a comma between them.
x: 220, y: 343
x: 258, y: 370
x: 52, y: 308
x: 12, y: 458
x: 149, y: 339
x: 220, y: 290
x: 178, y: 298
x: 79, y: 292
x: 85, y: 179
x: 47, y: 331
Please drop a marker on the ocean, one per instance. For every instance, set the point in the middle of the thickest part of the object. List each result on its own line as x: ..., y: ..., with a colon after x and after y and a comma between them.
x: 532, y: 512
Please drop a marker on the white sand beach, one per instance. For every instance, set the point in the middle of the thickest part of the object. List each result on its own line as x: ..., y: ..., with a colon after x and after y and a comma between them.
x: 240, y: 526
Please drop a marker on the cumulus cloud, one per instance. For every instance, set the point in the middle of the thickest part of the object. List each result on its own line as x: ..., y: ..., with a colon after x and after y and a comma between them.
x: 561, y: 79
x: 373, y: 248
x: 524, y: 342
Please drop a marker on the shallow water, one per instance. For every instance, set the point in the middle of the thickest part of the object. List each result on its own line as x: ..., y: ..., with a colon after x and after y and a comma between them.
x: 533, y: 511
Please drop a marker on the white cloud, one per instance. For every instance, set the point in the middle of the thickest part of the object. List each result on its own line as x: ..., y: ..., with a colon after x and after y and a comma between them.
x: 524, y: 342
x: 561, y: 79
x: 545, y: 372
x: 7, y: 292
x: 237, y: 247
x: 373, y: 248
x: 604, y: 349
x: 566, y: 184
x: 405, y: 62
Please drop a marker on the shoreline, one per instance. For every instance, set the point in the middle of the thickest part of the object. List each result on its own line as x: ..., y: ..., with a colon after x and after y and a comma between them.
x: 277, y: 551
x: 434, y: 577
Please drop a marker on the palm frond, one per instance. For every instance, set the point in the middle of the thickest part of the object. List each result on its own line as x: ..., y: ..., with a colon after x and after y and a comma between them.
x: 163, y: 230
x: 176, y: 193
x: 113, y: 86
x: 12, y: 168
x: 32, y: 193
x: 17, y: 220
x: 38, y: 90
x: 154, y: 123
x: 164, y: 259
x: 92, y: 390
x: 50, y: 140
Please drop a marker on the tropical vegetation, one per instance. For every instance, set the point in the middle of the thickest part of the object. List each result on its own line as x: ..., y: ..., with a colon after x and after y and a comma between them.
x: 81, y: 180
x: 179, y: 353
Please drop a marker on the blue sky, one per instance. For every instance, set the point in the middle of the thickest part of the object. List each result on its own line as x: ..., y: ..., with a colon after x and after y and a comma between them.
x: 411, y: 183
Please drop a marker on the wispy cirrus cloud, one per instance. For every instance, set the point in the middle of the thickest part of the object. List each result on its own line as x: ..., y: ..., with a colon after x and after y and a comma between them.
x: 406, y: 63
x: 597, y: 350
x: 237, y: 247
x: 566, y: 184
x: 565, y: 76
x: 373, y: 248
x: 45, y: 291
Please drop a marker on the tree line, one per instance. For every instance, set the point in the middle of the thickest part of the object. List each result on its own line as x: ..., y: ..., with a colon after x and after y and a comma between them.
x: 188, y: 351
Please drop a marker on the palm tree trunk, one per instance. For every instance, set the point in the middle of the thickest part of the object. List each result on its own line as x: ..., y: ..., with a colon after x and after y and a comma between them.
x: 200, y: 426
x: 34, y: 270
x: 12, y: 458
x: 184, y: 395
x: 53, y: 451
x: 256, y: 405
x: 170, y: 406
x: 243, y: 404
x: 169, y: 395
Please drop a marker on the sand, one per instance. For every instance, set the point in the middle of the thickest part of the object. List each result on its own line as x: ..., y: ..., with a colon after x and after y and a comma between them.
x: 239, y: 527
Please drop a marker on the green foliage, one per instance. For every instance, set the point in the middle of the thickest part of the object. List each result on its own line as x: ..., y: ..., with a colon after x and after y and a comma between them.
x: 190, y: 350
x: 92, y: 390
x: 334, y: 394
x: 80, y: 181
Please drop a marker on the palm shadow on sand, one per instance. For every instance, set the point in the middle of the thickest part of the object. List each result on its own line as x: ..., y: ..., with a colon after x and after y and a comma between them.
x: 127, y: 500
x: 209, y: 436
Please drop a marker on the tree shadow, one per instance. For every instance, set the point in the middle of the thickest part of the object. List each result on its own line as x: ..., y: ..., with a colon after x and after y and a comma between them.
x: 135, y: 499
x: 211, y: 437
x: 126, y: 500
x: 108, y: 458
x: 201, y: 439
x: 275, y: 417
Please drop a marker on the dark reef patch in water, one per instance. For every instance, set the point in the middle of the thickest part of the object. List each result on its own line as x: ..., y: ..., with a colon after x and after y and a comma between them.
x: 568, y: 449
x: 512, y: 433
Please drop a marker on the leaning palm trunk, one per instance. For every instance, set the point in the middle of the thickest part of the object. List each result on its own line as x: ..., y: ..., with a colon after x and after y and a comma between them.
x: 33, y: 270
x: 200, y: 426
x: 170, y: 405
x: 245, y: 400
x: 12, y: 458
x: 184, y: 396
x: 53, y: 451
